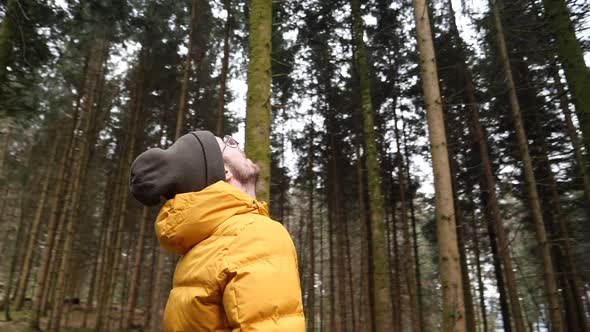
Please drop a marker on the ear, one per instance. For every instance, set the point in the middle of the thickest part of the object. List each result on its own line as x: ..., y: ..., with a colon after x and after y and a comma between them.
x: 228, y: 174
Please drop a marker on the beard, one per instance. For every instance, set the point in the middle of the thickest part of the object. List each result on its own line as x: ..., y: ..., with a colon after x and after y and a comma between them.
x: 246, y: 172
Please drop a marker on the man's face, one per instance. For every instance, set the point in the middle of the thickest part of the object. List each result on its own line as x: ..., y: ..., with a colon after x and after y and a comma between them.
x: 242, y: 168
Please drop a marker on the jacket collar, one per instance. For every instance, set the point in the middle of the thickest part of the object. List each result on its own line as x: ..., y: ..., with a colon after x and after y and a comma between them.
x: 188, y: 219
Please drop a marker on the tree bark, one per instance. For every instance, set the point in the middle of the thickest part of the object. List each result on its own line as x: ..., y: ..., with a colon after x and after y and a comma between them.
x: 365, y: 319
x: 573, y: 136
x: 450, y: 269
x: 14, y: 259
x: 415, y: 307
x: 30, y: 249
x: 310, y: 217
x: 187, y: 71
x: 393, y: 259
x: 414, y: 233
x: 479, y: 139
x: 129, y: 154
x: 381, y: 309
x: 533, y: 196
x: 258, y: 103
x: 8, y: 28
x: 82, y: 144
x: 224, y: 71
x: 136, y: 271
x: 571, y: 55
x: 480, y: 284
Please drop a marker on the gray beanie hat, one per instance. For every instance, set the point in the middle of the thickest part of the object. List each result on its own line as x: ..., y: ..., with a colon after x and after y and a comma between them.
x: 192, y: 163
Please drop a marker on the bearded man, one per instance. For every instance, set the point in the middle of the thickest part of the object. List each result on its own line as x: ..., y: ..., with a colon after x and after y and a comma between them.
x: 238, y: 268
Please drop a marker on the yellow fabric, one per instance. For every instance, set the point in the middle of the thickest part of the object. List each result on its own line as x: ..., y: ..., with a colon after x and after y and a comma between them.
x: 238, y: 270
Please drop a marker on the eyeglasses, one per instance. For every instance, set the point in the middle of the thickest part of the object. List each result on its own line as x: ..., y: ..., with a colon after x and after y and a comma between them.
x: 229, y: 141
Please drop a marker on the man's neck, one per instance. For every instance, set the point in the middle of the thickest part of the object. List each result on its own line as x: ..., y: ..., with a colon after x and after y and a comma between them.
x: 249, y: 189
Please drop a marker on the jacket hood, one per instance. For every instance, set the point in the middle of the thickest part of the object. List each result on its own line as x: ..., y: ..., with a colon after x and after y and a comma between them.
x: 189, y: 218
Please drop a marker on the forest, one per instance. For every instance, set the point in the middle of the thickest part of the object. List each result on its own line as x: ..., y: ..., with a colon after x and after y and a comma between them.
x: 429, y: 159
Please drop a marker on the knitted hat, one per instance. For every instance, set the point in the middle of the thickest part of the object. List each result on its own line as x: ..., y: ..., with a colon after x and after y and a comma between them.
x: 192, y: 163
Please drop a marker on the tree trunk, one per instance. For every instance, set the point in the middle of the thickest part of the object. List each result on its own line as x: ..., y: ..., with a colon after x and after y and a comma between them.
x: 30, y: 249
x: 157, y: 301
x: 95, y: 268
x: 414, y: 233
x: 14, y: 259
x: 321, y: 309
x: 82, y: 145
x: 568, y: 274
x: 187, y: 71
x: 571, y: 55
x: 450, y: 269
x: 573, y: 136
x: 395, y: 271
x: 333, y: 325
x: 224, y: 71
x: 351, y: 300
x: 44, y: 269
x: 124, y: 281
x: 115, y: 254
x: 480, y: 284
x: 408, y: 253
x: 380, y: 280
x: 8, y: 28
x: 467, y: 298
x: 136, y: 271
x: 366, y: 320
x: 533, y: 196
x: 148, y: 323
x: 311, y: 282
x: 479, y: 139
x: 258, y: 103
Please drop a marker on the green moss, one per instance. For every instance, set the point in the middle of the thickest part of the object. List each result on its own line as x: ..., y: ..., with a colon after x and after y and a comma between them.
x: 258, y: 101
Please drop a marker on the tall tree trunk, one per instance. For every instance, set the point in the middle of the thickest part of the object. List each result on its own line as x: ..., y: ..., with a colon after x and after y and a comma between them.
x: 107, y: 251
x: 533, y: 196
x: 381, y: 309
x: 15, y: 252
x: 414, y: 232
x: 82, y: 145
x: 467, y: 298
x: 498, y: 270
x: 350, y: 273
x: 365, y: 320
x: 8, y: 29
x: 395, y: 270
x: 310, y: 217
x: 187, y: 71
x: 96, y: 266
x: 571, y: 55
x: 136, y: 271
x: 573, y: 136
x: 408, y: 253
x: 60, y: 191
x: 149, y: 294
x: 115, y: 255
x: 480, y: 284
x: 30, y: 249
x: 224, y: 71
x: 479, y: 139
x: 568, y: 274
x: 450, y: 269
x: 333, y: 325
x: 258, y: 103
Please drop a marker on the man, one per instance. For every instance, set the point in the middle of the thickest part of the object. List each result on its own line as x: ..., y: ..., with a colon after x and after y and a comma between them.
x: 238, y: 268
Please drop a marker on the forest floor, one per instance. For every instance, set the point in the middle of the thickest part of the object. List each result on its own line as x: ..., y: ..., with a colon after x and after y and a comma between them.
x: 72, y: 321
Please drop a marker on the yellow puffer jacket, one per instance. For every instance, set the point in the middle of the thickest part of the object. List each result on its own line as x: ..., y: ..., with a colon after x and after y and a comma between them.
x: 238, y: 270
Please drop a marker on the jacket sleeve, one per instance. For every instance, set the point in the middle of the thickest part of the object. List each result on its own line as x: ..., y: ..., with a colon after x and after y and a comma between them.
x: 262, y: 292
